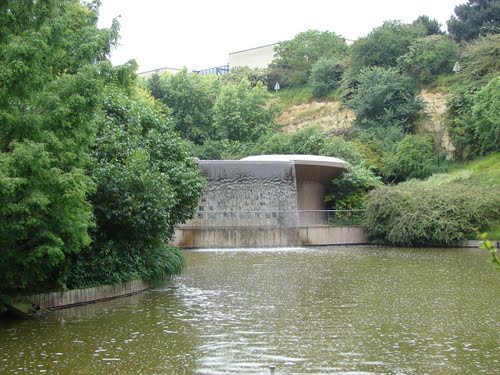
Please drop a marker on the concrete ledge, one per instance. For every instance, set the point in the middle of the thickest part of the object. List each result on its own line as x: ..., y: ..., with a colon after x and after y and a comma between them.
x: 268, y: 237
x: 328, y: 235
x: 87, y: 295
x: 236, y: 237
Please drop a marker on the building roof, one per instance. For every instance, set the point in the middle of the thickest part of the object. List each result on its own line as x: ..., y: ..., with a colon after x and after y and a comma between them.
x: 307, y: 167
x: 302, y: 160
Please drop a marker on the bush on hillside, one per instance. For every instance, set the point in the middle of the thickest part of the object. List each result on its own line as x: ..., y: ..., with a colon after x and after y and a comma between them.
x: 384, y: 98
x: 414, y: 157
x: 486, y: 117
x: 325, y: 76
x: 429, y: 57
x: 440, y: 210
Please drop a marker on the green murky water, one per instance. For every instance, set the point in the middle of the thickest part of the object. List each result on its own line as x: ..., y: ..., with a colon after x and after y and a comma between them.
x: 365, y: 310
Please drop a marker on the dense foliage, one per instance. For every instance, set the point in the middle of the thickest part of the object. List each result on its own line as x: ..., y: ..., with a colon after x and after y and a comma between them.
x: 326, y: 75
x: 92, y: 179
x: 480, y: 66
x: 440, y: 210
x: 385, y: 44
x: 145, y: 185
x: 240, y: 112
x: 385, y: 98
x: 295, y: 58
x: 475, y: 18
x: 414, y: 157
x: 191, y: 98
x: 50, y: 91
x: 429, y: 57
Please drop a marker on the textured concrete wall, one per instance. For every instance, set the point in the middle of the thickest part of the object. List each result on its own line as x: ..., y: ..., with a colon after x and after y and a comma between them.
x: 327, y: 235
x: 236, y: 237
x: 247, y: 194
x: 87, y: 295
x: 268, y: 237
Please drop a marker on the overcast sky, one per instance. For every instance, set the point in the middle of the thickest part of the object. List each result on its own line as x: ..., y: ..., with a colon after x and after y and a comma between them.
x: 200, y: 34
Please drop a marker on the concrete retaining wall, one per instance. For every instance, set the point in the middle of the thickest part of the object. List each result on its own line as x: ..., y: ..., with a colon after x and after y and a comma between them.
x: 264, y: 237
x: 236, y: 237
x: 87, y: 295
x: 327, y: 235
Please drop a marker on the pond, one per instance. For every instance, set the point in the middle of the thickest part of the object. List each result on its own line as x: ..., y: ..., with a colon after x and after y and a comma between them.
x: 328, y: 310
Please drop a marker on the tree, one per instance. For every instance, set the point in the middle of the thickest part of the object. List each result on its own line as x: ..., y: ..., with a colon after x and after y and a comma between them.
x: 241, y: 112
x: 325, y: 76
x: 432, y: 26
x: 414, y: 157
x: 474, y: 18
x: 486, y: 117
x: 146, y: 184
x: 384, y: 45
x: 50, y: 92
x: 385, y: 98
x: 295, y: 58
x: 428, y: 57
x: 480, y: 64
x: 191, y: 98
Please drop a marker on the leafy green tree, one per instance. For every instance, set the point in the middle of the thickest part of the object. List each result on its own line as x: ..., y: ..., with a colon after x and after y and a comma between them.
x: 146, y: 184
x: 474, y: 18
x: 432, y: 26
x: 384, y: 45
x: 310, y: 141
x: 241, y: 112
x: 191, y: 98
x: 50, y: 92
x: 385, y: 98
x: 295, y: 58
x: 486, y: 118
x: 480, y: 64
x: 326, y: 75
x: 414, y: 157
x: 349, y: 191
x: 429, y: 57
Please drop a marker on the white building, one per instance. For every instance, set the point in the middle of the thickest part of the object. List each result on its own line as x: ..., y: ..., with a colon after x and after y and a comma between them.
x: 258, y: 57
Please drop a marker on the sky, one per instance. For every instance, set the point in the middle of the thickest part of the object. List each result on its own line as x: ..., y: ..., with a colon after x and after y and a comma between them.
x: 200, y: 34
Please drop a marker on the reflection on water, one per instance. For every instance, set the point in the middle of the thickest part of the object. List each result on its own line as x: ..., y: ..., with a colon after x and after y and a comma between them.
x: 362, y: 310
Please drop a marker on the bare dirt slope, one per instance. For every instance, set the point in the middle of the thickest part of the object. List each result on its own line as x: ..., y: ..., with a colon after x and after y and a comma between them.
x: 329, y: 116
x: 334, y: 118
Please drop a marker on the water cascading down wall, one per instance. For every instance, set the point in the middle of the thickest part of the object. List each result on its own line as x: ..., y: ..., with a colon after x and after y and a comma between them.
x: 245, y: 204
x: 266, y: 200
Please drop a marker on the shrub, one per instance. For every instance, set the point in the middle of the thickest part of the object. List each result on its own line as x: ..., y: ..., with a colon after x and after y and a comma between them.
x: 385, y: 44
x: 486, y: 117
x: 384, y: 98
x: 295, y: 58
x: 440, y: 210
x: 414, y: 157
x: 325, y: 76
x: 429, y: 57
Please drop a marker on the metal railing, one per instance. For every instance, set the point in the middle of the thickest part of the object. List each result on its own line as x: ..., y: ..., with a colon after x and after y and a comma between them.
x: 274, y: 219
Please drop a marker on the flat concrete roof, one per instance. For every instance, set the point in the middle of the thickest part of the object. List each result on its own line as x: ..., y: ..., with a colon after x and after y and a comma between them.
x: 307, y: 167
x: 326, y: 161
